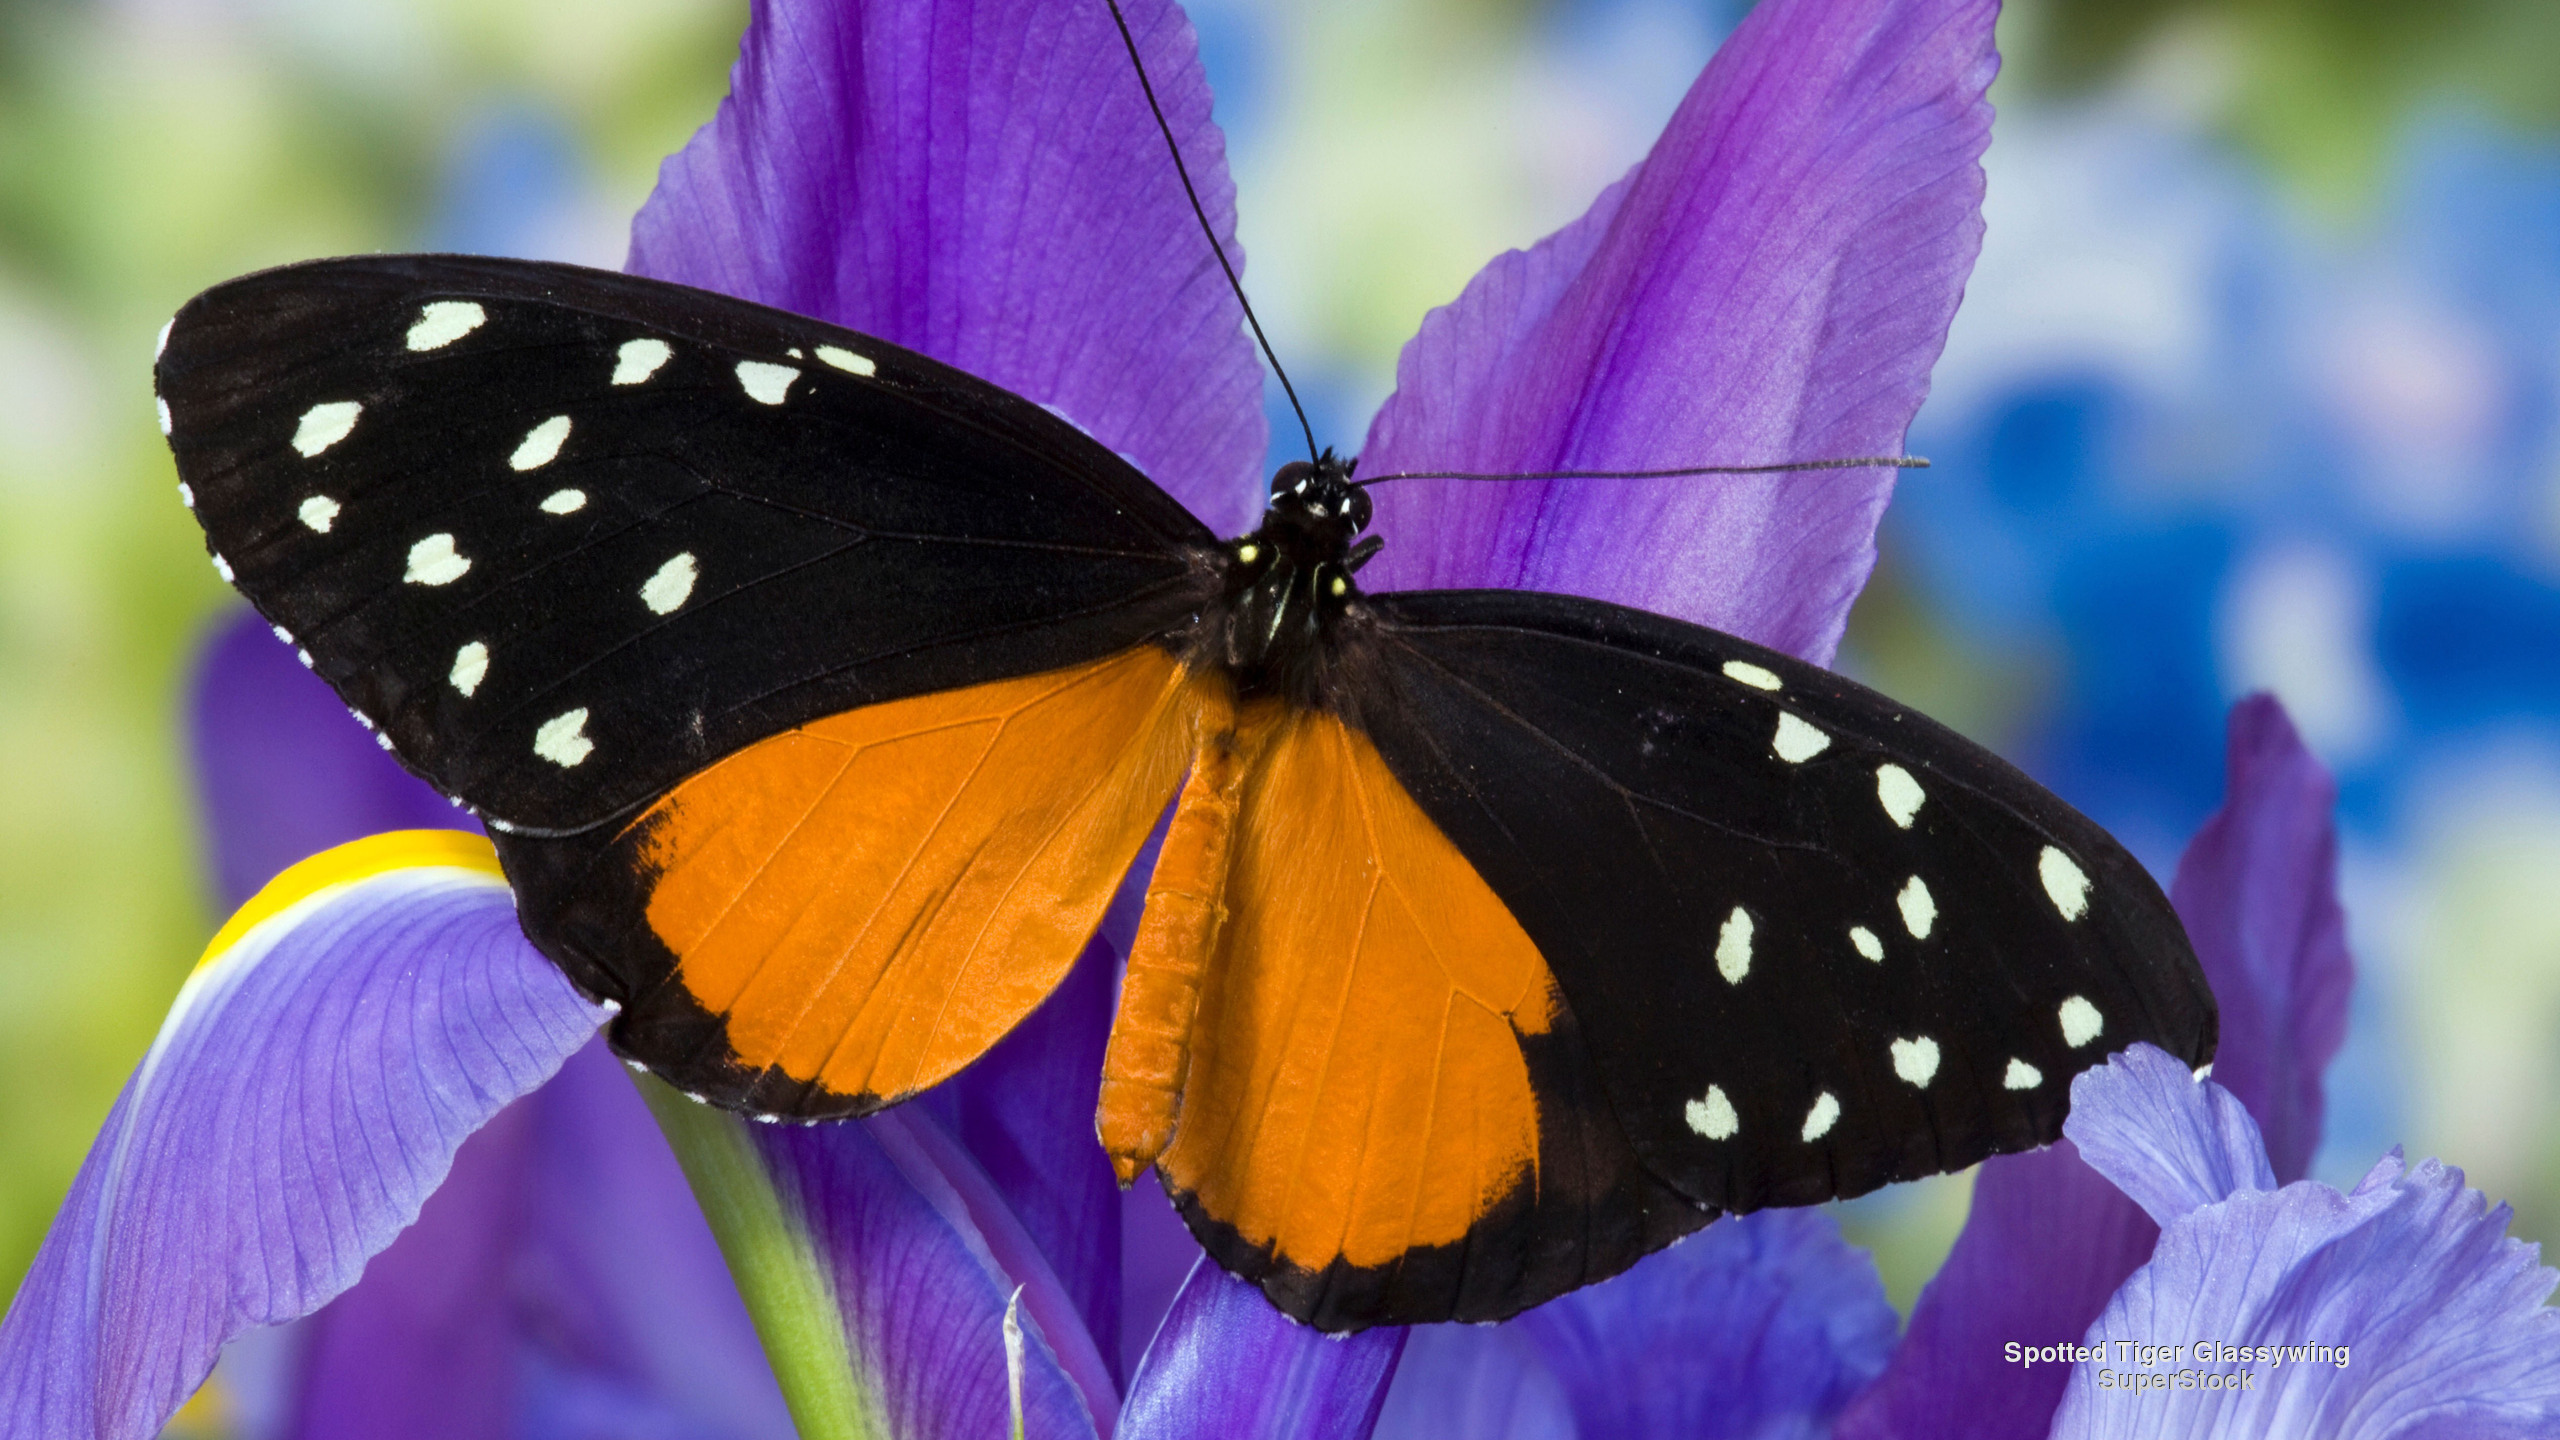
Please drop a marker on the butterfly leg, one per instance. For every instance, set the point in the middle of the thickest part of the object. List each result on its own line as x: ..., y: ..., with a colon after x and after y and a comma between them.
x: 1142, y: 1072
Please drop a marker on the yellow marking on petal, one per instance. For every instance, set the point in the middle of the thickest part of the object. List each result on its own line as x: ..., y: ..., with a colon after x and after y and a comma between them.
x: 356, y: 860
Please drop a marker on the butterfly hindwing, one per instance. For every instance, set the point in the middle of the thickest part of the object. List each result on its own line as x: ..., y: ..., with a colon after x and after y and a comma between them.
x: 1390, y: 1113
x: 1816, y: 941
x: 568, y: 536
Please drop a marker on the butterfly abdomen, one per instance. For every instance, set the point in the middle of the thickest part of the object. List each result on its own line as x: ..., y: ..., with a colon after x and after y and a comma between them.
x: 1150, y: 1049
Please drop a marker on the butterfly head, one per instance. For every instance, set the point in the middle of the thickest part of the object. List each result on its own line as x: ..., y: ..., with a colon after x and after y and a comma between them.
x: 1288, y: 580
x: 1317, y: 499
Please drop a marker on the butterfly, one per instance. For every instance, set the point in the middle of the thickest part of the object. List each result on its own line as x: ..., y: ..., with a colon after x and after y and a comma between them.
x: 818, y: 697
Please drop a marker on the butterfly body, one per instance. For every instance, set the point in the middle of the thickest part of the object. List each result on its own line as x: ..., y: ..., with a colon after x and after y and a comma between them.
x: 819, y: 696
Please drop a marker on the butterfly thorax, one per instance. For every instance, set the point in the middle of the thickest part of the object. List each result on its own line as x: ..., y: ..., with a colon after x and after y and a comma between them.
x: 1289, y: 580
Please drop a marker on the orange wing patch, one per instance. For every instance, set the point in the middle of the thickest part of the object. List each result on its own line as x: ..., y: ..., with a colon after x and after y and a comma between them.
x: 872, y: 900
x: 1356, y: 1086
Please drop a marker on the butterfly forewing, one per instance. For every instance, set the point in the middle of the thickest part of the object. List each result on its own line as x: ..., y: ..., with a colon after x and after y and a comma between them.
x: 566, y: 536
x: 1817, y: 942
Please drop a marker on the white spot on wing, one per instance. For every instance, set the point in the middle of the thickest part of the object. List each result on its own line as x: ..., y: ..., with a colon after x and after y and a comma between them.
x: 541, y: 444
x: 2064, y: 882
x: 767, y: 383
x: 670, y: 586
x: 1916, y: 1061
x: 318, y: 513
x: 325, y: 425
x: 847, y: 361
x: 2081, y: 1021
x: 1713, y: 1116
x: 1733, y: 946
x: 2022, y: 1076
x: 564, y: 502
x: 433, y: 561
x: 163, y: 407
x: 1752, y: 675
x: 1796, y: 742
x: 441, y: 322
x: 1824, y: 1114
x: 1867, y: 943
x: 1901, y: 795
x: 186, y: 494
x: 637, y: 360
x: 282, y: 633
x: 470, y: 666
x: 222, y: 568
x: 160, y: 346
x: 562, y: 739
x: 1919, y: 909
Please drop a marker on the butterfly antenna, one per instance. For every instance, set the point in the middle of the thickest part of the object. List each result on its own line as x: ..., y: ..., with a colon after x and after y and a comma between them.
x: 1206, y: 228
x: 1898, y: 462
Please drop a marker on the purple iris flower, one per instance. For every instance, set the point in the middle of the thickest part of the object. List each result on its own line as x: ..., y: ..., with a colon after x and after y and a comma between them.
x: 374, y: 1096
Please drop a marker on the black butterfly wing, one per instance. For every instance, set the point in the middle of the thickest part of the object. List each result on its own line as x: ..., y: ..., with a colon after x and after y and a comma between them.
x: 566, y: 536
x: 1815, y: 942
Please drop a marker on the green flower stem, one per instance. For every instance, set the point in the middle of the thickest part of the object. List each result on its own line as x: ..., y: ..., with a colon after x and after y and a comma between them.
x: 778, y: 1273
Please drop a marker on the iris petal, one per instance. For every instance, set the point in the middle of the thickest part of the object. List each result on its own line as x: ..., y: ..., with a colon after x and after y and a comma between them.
x: 2439, y: 1313
x: 2257, y: 889
x: 922, y: 1256
x: 560, y: 1283
x: 364, y: 1014
x: 1772, y: 283
x: 1762, y: 1325
x: 2167, y: 1139
x: 980, y: 180
x: 1225, y: 1365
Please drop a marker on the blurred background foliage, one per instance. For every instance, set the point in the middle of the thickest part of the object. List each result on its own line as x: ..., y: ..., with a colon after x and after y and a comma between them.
x: 2257, y: 385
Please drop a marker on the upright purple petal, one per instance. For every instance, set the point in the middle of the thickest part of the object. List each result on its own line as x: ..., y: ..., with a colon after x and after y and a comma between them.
x: 2046, y: 1242
x: 980, y: 180
x: 1772, y: 283
x: 2049, y: 1239
x: 307, y: 1092
x: 561, y: 1283
x: 2432, y: 1319
x: 282, y: 770
x: 922, y: 1255
x: 2258, y: 891
x: 1227, y: 1366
